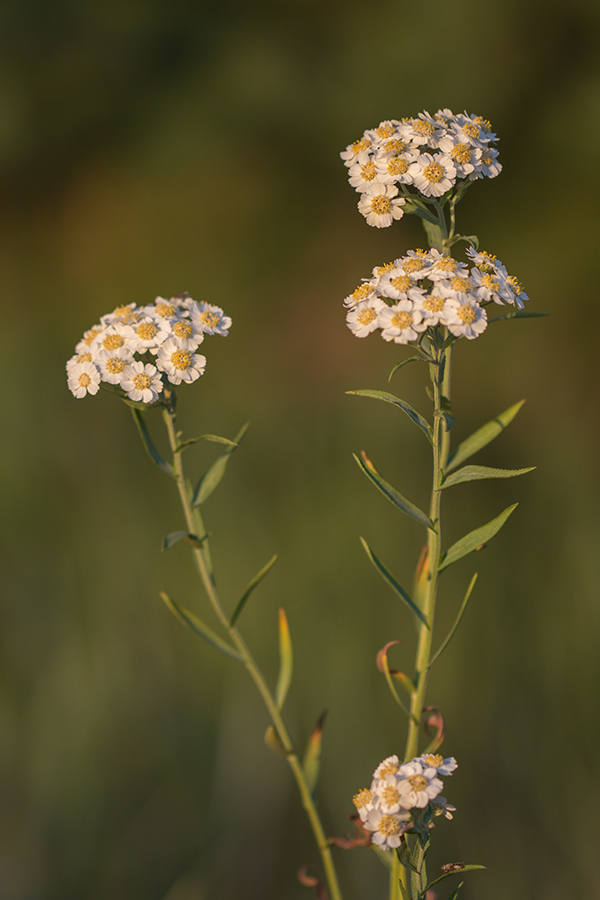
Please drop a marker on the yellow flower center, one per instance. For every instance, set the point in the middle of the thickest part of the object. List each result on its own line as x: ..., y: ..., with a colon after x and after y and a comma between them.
x: 362, y: 292
x: 385, y: 130
x: 395, y: 146
x: 84, y: 379
x: 359, y: 146
x: 113, y: 341
x: 472, y: 129
x: 147, y: 331
x: 389, y: 769
x: 423, y: 127
x: 367, y: 171
x: 515, y: 284
x: 366, y: 316
x: 397, y: 166
x: 401, y: 283
x: 435, y: 305
x: 89, y: 336
x: 142, y: 381
x: 434, y: 760
x: 413, y: 264
x: 380, y: 205
x: 164, y: 309
x: 466, y: 314
x: 402, y: 320
x: 115, y: 365
x: 181, y: 359
x: 388, y: 825
x: 418, y: 782
x: 362, y: 798
x: 182, y: 330
x: 386, y: 267
x: 390, y: 794
x: 433, y: 172
x: 210, y: 319
x: 461, y: 153
x: 447, y: 264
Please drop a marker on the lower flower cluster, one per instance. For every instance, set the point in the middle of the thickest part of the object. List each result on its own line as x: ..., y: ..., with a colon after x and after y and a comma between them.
x: 404, y: 797
x: 138, y: 349
x: 424, y: 289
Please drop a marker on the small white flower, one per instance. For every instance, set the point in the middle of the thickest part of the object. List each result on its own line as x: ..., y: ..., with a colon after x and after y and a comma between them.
x: 113, y: 337
x: 389, y: 766
x: 441, y: 807
x: 401, y: 323
x: 463, y: 154
x: 149, y: 334
x: 464, y: 317
x: 378, y: 206
x: 433, y: 175
x: 113, y: 363
x: 210, y: 319
x: 418, y: 784
x: 142, y: 382
x: 83, y: 378
x: 398, y: 285
x: 387, y: 829
x: 88, y: 339
x: 186, y: 334
x: 126, y: 315
x: 487, y: 165
x: 357, y: 152
x: 436, y: 761
x: 363, y: 318
x: 363, y: 802
x: 179, y: 364
x: 432, y: 307
x: 363, y: 174
x: 362, y: 292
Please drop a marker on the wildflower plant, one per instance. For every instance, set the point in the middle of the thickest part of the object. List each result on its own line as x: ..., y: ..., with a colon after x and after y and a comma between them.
x: 428, y: 299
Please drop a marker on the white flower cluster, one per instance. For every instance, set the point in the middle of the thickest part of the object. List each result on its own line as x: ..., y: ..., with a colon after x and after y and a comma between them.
x: 427, y: 288
x: 428, y: 154
x: 139, y: 348
x: 401, y: 793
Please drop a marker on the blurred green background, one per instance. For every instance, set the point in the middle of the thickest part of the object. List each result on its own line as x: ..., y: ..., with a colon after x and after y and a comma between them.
x: 151, y: 147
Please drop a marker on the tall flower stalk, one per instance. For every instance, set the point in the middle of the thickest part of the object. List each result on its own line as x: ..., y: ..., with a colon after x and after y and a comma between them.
x: 430, y: 300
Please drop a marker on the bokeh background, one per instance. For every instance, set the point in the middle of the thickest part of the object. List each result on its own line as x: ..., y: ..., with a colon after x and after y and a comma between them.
x: 150, y: 147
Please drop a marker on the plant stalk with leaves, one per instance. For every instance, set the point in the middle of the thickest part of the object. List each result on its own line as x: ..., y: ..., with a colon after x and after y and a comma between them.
x: 430, y: 300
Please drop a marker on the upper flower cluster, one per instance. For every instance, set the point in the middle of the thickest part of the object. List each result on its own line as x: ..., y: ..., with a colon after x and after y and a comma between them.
x: 424, y: 289
x: 140, y: 348
x: 404, y: 795
x: 427, y: 155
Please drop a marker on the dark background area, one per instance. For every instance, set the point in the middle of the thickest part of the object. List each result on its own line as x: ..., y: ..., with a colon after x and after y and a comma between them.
x: 150, y: 148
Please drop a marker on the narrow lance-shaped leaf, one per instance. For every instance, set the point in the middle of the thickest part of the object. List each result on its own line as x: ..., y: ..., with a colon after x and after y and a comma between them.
x: 391, y: 493
x: 286, y: 660
x: 384, y: 666
x: 483, y: 436
x: 389, y: 578
x: 405, y: 362
x: 450, y: 634
x: 176, y: 536
x: 198, y: 627
x: 251, y: 587
x: 479, y: 473
x: 213, y: 476
x: 470, y: 867
x: 412, y: 414
x: 138, y: 417
x: 311, y: 763
x: 476, y: 539
x: 272, y: 741
x: 214, y: 438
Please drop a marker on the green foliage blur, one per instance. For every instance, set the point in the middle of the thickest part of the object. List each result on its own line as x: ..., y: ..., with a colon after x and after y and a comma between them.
x: 151, y: 147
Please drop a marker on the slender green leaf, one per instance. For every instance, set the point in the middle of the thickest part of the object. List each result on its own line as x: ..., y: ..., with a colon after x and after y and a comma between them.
x: 483, y: 436
x: 198, y: 627
x: 205, y: 437
x: 389, y: 578
x: 312, y: 758
x: 213, y: 476
x: 476, y: 539
x: 272, y: 741
x: 176, y: 536
x: 450, y: 634
x: 456, y: 891
x: 173, y: 537
x: 384, y: 666
x: 478, y: 473
x: 251, y: 586
x: 286, y: 660
x: 391, y: 493
x: 519, y: 314
x: 470, y: 867
x: 151, y: 450
x: 403, y: 363
x: 412, y: 414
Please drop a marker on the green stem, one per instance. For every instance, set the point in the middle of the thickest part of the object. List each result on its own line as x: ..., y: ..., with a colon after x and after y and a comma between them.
x: 203, y: 562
